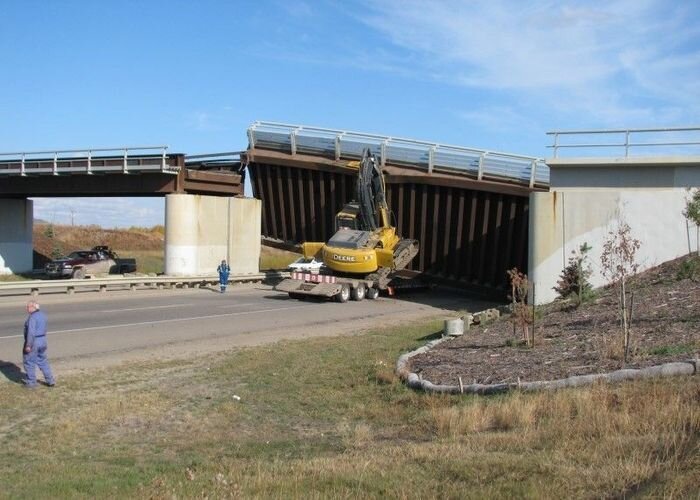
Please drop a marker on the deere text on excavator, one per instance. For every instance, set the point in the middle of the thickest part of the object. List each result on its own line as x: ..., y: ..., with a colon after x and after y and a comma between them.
x: 362, y: 256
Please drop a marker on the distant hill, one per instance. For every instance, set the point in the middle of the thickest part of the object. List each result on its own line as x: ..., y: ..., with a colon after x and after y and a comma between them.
x: 145, y: 244
x: 63, y: 239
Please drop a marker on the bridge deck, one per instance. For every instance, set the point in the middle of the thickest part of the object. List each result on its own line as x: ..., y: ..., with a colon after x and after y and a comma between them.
x: 134, y: 171
x: 468, y: 209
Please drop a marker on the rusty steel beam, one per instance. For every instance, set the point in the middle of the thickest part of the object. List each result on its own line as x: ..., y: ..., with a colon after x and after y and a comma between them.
x: 468, y: 237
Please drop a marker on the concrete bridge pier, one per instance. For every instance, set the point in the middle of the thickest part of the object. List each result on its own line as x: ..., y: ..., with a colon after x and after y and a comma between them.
x: 16, y: 249
x: 589, y: 198
x: 201, y: 230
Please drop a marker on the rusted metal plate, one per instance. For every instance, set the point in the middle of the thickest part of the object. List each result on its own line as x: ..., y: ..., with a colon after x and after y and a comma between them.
x: 468, y: 237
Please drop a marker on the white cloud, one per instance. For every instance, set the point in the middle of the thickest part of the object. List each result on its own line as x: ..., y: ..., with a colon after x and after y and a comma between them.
x: 298, y: 8
x: 105, y: 212
x: 635, y: 61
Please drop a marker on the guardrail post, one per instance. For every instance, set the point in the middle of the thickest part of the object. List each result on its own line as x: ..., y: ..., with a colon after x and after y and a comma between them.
x: 627, y: 143
x: 55, y: 164
x: 293, y: 141
x: 480, y: 172
x: 70, y: 290
x: 251, y: 136
x: 162, y: 163
x: 21, y: 167
x: 89, y: 163
x: 125, y: 169
x: 556, y: 144
x: 382, y: 152
x: 431, y: 159
x: 338, y: 146
x: 533, y: 169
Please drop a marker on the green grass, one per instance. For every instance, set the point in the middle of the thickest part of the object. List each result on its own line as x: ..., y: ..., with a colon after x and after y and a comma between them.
x: 147, y: 261
x: 672, y: 350
x: 13, y: 277
x: 276, y: 260
x: 327, y: 418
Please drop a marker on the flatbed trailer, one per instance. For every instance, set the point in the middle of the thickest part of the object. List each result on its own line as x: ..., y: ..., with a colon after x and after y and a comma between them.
x: 339, y: 288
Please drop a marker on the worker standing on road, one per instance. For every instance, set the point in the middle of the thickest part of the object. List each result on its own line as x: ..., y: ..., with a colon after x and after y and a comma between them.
x: 223, y: 270
x: 34, y: 350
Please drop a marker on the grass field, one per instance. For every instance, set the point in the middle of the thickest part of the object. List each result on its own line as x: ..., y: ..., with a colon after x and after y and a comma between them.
x: 147, y: 261
x: 327, y: 418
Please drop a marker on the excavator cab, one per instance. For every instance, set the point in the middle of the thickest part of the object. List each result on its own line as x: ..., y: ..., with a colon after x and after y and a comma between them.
x: 365, y: 250
x: 347, y: 217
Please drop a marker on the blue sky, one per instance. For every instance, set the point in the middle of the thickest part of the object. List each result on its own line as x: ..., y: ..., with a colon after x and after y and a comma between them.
x: 194, y: 75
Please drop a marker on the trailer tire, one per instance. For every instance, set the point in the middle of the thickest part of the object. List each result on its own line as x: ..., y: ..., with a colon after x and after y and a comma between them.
x: 344, y: 294
x: 372, y: 293
x: 78, y: 274
x: 358, y: 293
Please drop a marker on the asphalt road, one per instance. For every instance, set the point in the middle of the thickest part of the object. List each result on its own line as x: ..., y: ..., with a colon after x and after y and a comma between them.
x: 92, y: 329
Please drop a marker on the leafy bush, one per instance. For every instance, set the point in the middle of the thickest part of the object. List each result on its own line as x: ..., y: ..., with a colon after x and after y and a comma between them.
x: 689, y: 269
x: 573, y: 280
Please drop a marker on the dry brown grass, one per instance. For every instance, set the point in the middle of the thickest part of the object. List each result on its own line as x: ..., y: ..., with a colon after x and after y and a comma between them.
x: 325, y: 418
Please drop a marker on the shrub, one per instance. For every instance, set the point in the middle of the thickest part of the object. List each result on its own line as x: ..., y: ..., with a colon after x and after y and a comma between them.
x: 689, y: 269
x: 692, y: 213
x: 573, y: 280
x: 522, y: 314
x: 618, y: 262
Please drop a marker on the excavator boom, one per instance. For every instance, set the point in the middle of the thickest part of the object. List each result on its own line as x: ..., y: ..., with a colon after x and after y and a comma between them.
x: 365, y: 250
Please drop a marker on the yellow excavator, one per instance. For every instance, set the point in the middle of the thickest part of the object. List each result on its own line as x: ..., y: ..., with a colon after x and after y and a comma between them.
x: 363, y: 254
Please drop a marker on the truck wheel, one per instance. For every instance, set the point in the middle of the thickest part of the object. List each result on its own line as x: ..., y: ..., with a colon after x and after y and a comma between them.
x: 344, y: 294
x: 78, y: 274
x: 358, y: 293
x: 372, y: 293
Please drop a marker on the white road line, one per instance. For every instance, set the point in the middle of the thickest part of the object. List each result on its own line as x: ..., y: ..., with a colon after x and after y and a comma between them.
x: 143, y: 308
x: 141, y: 323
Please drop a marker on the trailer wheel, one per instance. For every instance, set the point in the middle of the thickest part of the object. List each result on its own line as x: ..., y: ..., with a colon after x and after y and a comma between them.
x: 78, y: 274
x: 358, y: 293
x: 372, y: 293
x: 344, y: 294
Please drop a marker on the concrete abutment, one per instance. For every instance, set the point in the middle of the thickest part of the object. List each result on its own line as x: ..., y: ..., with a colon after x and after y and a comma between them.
x: 588, y: 200
x: 16, y: 248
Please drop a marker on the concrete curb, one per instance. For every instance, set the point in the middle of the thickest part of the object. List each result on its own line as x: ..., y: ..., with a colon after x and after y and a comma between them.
x: 414, y: 381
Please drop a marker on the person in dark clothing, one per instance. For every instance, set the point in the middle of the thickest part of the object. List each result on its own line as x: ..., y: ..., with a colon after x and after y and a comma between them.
x: 223, y: 271
x: 35, y: 345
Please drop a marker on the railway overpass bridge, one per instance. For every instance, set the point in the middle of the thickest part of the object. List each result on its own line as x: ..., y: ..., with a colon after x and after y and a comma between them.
x: 468, y: 208
x: 201, y: 197
x: 476, y: 213
x: 479, y: 213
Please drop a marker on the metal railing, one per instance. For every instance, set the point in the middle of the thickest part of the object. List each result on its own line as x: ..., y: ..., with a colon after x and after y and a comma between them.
x: 343, y: 144
x: 69, y: 286
x: 626, y: 139
x: 225, y: 160
x: 87, y: 161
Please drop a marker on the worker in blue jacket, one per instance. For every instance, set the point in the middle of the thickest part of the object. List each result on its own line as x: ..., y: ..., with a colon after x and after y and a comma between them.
x: 223, y: 271
x: 34, y: 350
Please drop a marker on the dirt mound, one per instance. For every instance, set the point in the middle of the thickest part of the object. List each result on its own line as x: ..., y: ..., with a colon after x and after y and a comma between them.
x: 665, y: 327
x: 53, y: 239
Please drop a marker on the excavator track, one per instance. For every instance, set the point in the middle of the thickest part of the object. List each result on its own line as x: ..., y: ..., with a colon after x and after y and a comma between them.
x: 403, y: 254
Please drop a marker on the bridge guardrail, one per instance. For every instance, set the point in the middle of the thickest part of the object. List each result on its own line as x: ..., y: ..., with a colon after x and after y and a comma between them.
x: 643, y: 141
x: 344, y: 144
x: 33, y: 287
x: 88, y: 161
